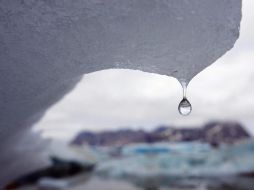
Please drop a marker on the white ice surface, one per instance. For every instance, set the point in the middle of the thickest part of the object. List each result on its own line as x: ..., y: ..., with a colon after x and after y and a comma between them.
x: 180, y: 160
x: 46, y: 46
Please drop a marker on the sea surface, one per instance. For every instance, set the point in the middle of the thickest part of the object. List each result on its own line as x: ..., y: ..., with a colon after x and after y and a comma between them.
x: 96, y: 183
x: 181, y: 166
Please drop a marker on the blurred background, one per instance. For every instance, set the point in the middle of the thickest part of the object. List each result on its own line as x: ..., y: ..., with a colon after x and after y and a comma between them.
x: 120, y: 129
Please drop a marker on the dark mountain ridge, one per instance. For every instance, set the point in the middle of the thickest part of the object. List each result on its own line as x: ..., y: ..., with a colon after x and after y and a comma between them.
x: 213, y: 133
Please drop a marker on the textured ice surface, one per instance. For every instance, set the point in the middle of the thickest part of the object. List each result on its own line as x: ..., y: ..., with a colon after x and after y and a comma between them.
x: 180, y: 160
x: 46, y: 46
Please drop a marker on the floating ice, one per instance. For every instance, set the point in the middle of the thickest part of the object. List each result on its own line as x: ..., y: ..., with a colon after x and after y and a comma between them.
x: 46, y: 46
x: 180, y: 160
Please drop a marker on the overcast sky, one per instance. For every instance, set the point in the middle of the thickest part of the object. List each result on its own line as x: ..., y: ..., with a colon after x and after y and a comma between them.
x: 119, y: 98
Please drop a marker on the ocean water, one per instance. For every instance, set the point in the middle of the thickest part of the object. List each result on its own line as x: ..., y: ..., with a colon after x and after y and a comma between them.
x: 95, y: 183
x: 168, y: 166
x: 149, y: 184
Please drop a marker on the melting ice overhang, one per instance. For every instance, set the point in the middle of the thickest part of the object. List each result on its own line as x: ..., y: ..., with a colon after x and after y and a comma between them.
x: 45, y: 46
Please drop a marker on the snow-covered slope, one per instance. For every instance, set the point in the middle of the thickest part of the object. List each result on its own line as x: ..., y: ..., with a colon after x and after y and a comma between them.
x: 46, y: 46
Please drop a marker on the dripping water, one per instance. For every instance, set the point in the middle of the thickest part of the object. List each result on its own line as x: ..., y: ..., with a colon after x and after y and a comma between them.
x: 184, y: 107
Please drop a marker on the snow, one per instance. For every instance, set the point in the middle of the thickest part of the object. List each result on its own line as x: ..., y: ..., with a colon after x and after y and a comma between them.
x: 47, y: 46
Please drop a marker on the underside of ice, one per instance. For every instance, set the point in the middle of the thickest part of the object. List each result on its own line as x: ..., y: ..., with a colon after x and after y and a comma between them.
x: 46, y: 47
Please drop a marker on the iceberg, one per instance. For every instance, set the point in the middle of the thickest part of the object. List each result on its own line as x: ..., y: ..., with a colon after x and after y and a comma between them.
x: 47, y: 46
x: 181, y: 160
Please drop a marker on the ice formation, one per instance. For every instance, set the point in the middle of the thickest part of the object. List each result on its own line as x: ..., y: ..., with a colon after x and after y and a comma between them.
x: 46, y: 46
x: 180, y: 160
x: 190, y: 165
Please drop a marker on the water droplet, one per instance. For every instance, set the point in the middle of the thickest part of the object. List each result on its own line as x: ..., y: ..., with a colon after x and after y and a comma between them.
x: 184, y: 107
